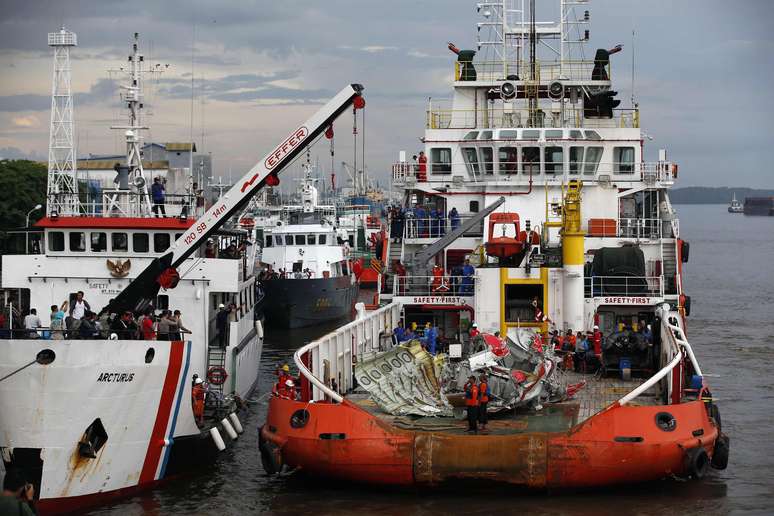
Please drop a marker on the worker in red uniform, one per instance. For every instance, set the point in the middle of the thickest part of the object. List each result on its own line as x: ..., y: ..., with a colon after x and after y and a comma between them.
x: 474, y: 331
x: 287, y: 390
x: 471, y: 403
x: 484, y: 394
x: 439, y: 284
x: 422, y: 169
x: 596, y: 348
x: 197, y: 398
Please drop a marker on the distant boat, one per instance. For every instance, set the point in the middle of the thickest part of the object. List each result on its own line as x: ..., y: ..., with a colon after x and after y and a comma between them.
x: 735, y: 206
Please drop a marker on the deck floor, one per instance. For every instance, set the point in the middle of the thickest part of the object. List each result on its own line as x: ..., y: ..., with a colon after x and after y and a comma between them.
x: 555, y: 417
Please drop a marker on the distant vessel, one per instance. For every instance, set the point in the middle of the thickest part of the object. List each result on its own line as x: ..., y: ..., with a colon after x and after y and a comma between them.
x: 758, y: 206
x: 735, y: 206
x: 309, y: 277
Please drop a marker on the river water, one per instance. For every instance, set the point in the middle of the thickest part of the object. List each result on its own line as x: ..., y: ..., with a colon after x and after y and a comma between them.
x: 730, y: 277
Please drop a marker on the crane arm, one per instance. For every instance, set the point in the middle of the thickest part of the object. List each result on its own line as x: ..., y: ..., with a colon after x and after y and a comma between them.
x: 144, y: 288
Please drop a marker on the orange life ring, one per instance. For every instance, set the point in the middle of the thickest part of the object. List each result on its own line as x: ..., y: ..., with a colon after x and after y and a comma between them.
x: 217, y: 375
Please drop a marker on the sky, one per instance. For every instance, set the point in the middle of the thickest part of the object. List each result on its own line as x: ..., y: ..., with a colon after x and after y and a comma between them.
x: 703, y: 73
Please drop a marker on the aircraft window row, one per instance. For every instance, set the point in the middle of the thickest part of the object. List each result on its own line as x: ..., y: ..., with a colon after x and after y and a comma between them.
x: 98, y: 242
x: 532, y: 134
x: 311, y: 239
x: 527, y: 160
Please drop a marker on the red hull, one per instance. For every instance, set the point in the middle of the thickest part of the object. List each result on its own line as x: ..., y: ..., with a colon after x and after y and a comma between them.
x: 620, y: 445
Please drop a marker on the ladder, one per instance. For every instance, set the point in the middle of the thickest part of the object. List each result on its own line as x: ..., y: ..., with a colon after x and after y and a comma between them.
x: 216, y: 357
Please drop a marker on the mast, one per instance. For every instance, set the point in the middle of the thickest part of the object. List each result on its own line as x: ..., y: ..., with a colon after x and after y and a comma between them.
x: 62, y: 188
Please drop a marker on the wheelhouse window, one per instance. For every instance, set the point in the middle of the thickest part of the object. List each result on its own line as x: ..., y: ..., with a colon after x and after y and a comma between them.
x: 530, y: 134
x: 485, y: 135
x: 473, y: 206
x: 593, y: 135
x: 278, y: 239
x: 77, y: 241
x: 120, y: 242
x: 160, y: 242
x: 509, y: 134
x: 576, y: 135
x: 576, y: 160
x: 508, y: 159
x: 300, y: 239
x: 56, y: 241
x: 268, y: 241
x: 311, y: 239
x: 98, y: 242
x: 554, y: 134
x: 487, y: 160
x: 593, y: 155
x: 554, y: 159
x: 623, y: 160
x: 471, y: 160
x: 472, y: 135
x: 530, y: 160
x: 288, y: 239
x: 440, y: 158
x: 140, y: 242
x: 321, y: 239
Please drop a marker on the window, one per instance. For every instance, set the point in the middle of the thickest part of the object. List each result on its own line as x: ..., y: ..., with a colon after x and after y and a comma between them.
x: 530, y: 135
x: 623, y: 160
x: 120, y: 242
x: 98, y: 242
x: 593, y: 155
x: 140, y: 242
x: 510, y: 134
x: 160, y: 242
x: 555, y: 134
x: 576, y: 135
x: 576, y: 160
x: 471, y: 135
x: 77, y: 241
x: 278, y: 239
x: 310, y: 239
x: 507, y: 157
x: 268, y: 241
x: 473, y: 206
x: 487, y: 160
x: 440, y: 158
x: 485, y: 135
x: 178, y: 235
x: 530, y: 160
x: 288, y: 239
x: 300, y: 239
x: 593, y: 135
x: 162, y: 302
x: 554, y: 160
x: 321, y: 239
x: 55, y: 241
x: 471, y: 160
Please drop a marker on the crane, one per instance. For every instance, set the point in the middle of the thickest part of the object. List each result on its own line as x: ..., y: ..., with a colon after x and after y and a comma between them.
x: 162, y: 271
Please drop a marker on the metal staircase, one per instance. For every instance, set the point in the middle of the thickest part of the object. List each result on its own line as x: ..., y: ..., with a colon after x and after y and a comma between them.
x: 669, y: 260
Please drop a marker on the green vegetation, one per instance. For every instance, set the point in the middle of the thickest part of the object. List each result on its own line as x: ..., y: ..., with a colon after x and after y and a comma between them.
x: 22, y: 186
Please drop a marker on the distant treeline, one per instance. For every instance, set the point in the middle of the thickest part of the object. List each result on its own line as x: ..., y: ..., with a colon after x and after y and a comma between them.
x: 721, y: 195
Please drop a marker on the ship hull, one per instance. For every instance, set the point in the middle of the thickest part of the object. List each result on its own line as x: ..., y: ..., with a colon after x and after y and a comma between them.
x: 137, y: 402
x: 617, y: 446
x: 295, y: 303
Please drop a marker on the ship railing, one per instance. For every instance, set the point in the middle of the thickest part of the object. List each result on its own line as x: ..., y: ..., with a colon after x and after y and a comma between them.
x: 567, y: 70
x: 124, y: 203
x: 674, y: 347
x: 519, y: 117
x: 47, y: 333
x: 639, y: 228
x: 623, y: 286
x: 332, y: 357
x: 436, y: 227
x: 448, y: 285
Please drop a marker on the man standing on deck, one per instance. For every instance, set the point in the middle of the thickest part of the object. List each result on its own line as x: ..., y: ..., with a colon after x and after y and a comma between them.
x: 483, y: 399
x: 431, y: 338
x: 157, y: 192
x: 78, y: 309
x: 467, y: 278
x: 471, y: 403
x: 221, y: 323
x: 32, y: 323
x: 197, y: 398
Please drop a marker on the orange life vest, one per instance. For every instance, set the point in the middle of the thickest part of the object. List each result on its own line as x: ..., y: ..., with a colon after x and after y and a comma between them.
x: 483, y: 390
x: 197, y: 395
x: 471, y: 395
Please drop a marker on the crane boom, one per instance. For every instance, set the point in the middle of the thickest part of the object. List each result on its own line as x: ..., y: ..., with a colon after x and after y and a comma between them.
x: 161, y: 272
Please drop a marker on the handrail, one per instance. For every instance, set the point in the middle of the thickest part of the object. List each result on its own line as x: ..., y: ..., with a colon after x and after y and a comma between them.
x: 653, y: 380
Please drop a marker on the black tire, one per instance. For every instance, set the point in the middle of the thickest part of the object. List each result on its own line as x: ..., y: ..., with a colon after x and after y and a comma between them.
x: 697, y: 463
x: 721, y: 452
x: 268, y: 460
x: 715, y: 414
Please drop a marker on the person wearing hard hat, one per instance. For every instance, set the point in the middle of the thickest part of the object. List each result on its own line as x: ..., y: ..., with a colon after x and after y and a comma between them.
x: 197, y: 398
x: 287, y: 390
x: 474, y: 331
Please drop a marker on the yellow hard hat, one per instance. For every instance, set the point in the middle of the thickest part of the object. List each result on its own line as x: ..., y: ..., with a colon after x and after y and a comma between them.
x: 285, y: 368
x: 413, y: 326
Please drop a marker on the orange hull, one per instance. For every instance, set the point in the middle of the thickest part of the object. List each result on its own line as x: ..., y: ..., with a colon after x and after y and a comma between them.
x: 620, y: 445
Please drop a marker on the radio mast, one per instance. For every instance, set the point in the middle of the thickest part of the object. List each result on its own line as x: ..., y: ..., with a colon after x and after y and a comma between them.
x: 62, y: 189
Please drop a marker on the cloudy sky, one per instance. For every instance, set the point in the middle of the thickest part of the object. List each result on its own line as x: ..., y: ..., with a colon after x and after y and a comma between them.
x: 703, y: 74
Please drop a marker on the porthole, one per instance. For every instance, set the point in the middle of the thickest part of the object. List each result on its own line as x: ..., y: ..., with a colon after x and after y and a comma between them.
x: 149, y: 355
x: 299, y: 419
x: 666, y: 421
x: 45, y: 356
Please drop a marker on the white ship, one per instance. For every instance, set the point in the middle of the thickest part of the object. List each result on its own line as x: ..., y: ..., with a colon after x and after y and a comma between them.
x: 92, y: 419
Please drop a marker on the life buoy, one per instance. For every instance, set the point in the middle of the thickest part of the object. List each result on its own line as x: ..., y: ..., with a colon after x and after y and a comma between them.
x: 696, y: 462
x: 217, y: 375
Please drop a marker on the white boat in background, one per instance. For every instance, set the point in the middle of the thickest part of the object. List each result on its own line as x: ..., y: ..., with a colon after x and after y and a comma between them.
x: 735, y: 206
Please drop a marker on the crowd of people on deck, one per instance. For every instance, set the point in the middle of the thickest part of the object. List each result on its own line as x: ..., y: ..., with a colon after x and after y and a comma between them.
x: 77, y: 320
x: 421, y: 222
x: 233, y: 251
x: 429, y: 336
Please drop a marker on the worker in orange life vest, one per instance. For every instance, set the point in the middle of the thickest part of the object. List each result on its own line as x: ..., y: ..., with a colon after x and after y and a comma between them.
x: 439, y: 282
x: 474, y: 331
x: 422, y: 168
x: 287, y: 390
x: 471, y: 403
x: 197, y: 398
x: 484, y: 394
